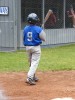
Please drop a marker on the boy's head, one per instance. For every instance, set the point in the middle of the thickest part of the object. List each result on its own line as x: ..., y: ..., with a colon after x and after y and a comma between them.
x: 32, y: 18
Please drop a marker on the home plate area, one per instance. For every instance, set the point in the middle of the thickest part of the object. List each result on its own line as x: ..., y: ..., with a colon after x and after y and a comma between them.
x: 52, y: 85
x: 66, y: 98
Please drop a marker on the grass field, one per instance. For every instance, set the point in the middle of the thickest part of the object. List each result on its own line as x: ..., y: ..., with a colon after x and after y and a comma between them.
x: 57, y: 58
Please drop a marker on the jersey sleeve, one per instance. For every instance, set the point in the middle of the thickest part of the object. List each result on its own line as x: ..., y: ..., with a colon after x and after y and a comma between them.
x: 42, y: 35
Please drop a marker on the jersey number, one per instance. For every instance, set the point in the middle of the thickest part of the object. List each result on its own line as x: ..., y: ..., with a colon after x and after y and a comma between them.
x: 29, y: 36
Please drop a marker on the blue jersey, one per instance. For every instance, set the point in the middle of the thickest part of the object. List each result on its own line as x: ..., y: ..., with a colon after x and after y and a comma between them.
x: 31, y: 35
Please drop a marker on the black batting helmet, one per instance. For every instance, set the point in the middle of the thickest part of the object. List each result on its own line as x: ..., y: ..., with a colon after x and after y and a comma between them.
x: 32, y: 18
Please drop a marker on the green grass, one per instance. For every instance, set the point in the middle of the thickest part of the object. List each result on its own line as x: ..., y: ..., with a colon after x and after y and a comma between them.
x: 57, y: 58
x: 13, y: 61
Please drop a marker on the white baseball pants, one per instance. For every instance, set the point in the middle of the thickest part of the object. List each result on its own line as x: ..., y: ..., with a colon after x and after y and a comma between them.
x: 34, y: 53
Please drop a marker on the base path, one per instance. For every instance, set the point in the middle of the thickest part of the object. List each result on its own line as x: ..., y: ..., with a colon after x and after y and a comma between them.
x: 54, y: 85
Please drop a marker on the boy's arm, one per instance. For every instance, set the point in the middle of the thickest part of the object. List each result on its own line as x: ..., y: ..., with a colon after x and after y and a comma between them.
x: 42, y: 36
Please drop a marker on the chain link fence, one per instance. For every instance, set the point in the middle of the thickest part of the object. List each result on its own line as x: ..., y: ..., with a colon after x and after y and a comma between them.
x: 62, y: 9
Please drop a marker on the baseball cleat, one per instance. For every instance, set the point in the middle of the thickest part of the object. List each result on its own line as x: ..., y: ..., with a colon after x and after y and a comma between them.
x: 30, y: 81
x: 35, y: 79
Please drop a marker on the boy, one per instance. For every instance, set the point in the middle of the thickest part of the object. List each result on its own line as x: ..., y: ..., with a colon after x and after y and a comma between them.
x: 33, y: 36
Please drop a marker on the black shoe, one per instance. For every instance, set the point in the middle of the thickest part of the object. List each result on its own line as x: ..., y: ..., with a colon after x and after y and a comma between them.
x: 35, y: 79
x: 30, y: 81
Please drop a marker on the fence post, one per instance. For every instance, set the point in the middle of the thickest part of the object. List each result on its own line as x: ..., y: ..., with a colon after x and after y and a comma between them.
x: 43, y: 10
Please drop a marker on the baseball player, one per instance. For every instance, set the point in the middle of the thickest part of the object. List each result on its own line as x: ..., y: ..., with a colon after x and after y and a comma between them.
x: 33, y: 36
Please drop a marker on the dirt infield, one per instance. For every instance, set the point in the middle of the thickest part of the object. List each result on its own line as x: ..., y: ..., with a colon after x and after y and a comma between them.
x: 52, y: 84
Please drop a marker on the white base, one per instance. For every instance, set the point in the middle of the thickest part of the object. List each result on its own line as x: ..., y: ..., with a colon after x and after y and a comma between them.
x: 67, y: 98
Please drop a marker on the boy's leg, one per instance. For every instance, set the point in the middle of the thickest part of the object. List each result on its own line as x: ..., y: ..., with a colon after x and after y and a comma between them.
x: 29, y: 59
x: 34, y: 64
x: 36, y: 53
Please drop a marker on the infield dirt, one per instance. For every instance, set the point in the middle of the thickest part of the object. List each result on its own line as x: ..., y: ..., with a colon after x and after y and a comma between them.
x: 52, y: 84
